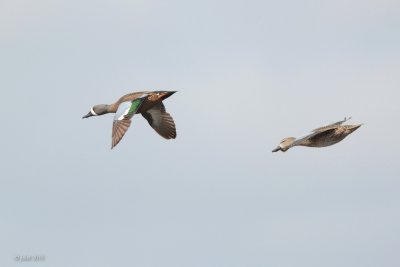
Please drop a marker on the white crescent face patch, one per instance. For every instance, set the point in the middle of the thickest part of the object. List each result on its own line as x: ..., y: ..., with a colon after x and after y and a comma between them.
x: 93, y: 113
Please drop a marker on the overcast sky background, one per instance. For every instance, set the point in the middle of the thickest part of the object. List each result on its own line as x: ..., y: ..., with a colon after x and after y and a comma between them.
x: 249, y: 73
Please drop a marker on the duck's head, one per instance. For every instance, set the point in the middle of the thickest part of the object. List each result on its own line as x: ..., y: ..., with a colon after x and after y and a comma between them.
x: 285, y: 144
x: 97, y: 110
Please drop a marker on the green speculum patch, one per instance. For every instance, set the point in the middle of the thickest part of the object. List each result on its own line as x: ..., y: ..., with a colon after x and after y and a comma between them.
x: 135, y: 106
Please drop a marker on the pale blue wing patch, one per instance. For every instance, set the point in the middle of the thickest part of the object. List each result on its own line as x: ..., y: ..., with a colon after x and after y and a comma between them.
x: 127, y: 109
x: 122, y: 110
x: 122, y: 119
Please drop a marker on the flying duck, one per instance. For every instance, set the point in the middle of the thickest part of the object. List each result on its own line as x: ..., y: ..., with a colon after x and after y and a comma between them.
x: 149, y: 104
x: 321, y: 137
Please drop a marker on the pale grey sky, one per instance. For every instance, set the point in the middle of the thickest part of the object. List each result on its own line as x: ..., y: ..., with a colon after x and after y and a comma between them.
x: 248, y: 74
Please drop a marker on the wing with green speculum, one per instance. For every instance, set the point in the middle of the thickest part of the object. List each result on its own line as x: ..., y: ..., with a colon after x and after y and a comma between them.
x: 122, y: 119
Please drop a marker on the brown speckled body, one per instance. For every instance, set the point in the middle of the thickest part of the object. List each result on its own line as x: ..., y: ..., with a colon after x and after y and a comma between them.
x: 327, y: 137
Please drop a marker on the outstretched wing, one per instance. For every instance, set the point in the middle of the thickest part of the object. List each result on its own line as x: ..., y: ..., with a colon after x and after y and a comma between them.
x: 122, y: 119
x: 333, y: 125
x: 161, y: 121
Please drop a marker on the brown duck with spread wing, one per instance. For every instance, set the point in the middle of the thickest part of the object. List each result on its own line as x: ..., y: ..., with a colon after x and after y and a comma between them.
x: 149, y: 104
x: 321, y: 137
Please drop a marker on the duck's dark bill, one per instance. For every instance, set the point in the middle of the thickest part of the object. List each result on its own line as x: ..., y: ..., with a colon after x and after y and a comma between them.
x: 87, y: 115
x: 276, y: 149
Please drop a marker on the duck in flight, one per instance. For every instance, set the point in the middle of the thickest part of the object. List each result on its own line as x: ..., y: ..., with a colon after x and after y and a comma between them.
x: 321, y: 137
x: 149, y: 104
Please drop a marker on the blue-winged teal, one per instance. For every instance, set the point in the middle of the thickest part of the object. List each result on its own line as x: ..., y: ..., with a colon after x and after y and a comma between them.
x: 149, y: 104
x: 320, y: 137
